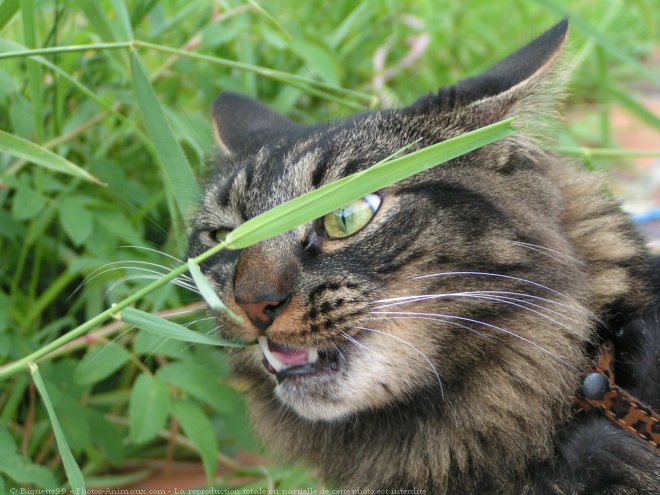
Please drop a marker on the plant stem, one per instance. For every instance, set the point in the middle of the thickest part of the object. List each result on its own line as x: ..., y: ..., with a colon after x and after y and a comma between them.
x: 181, y: 440
x: 587, y: 152
x: 22, y: 364
x: 262, y: 71
x: 66, y: 49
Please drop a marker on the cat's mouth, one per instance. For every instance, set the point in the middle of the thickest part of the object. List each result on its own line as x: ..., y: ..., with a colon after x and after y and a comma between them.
x: 288, y: 362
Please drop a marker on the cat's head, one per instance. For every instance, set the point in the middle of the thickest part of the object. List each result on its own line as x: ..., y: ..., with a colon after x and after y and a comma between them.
x: 438, y: 285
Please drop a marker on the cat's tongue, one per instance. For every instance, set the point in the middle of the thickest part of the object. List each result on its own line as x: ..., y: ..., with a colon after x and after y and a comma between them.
x: 281, y: 356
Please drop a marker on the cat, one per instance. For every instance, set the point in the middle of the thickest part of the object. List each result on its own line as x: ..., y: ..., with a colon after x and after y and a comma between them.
x: 432, y: 336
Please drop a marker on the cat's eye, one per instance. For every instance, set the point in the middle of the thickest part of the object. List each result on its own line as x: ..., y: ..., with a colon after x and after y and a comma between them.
x: 351, y: 218
x: 219, y: 235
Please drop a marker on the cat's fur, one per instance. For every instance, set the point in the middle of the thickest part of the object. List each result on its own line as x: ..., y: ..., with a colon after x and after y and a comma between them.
x: 470, y: 392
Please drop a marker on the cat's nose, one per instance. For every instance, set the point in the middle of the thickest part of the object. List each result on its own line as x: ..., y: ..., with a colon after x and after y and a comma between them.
x: 262, y: 312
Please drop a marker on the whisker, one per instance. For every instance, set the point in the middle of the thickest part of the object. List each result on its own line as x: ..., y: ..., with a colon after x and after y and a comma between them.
x: 353, y: 341
x: 341, y: 354
x: 495, y: 275
x: 549, y: 252
x: 452, y: 323
x: 415, y: 315
x: 162, y: 253
x: 209, y: 332
x: 501, y: 296
x: 394, y: 301
x: 190, y: 323
x: 405, y: 342
x: 492, y: 296
x: 124, y: 265
x: 150, y: 277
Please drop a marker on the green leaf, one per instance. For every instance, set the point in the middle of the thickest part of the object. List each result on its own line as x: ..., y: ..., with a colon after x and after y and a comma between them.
x: 4, y: 311
x: 74, y: 423
x: 71, y: 468
x: 268, y: 16
x: 124, y: 19
x: 22, y: 148
x: 23, y: 471
x: 77, y: 221
x: 179, y: 179
x: 106, y: 437
x: 148, y: 343
x: 7, y: 442
x: 8, y: 86
x: 319, y: 59
x: 8, y: 9
x: 117, y: 224
x: 98, y: 19
x: 28, y: 16
x: 634, y: 107
x: 100, y: 362
x: 148, y: 409
x: 216, y: 34
x: 103, y: 483
x: 325, y: 199
x: 200, y: 382
x: 27, y: 203
x: 207, y: 291
x: 603, y: 40
x: 198, y: 428
x: 165, y: 328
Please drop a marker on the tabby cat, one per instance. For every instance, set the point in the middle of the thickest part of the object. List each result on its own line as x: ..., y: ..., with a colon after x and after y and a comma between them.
x: 431, y: 336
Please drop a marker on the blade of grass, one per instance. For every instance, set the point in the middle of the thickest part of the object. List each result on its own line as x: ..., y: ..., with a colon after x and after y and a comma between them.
x: 604, y: 103
x: 447, y: 149
x: 208, y: 293
x: 28, y: 15
x: 8, y: 10
x: 296, y: 80
x: 98, y: 19
x: 606, y: 152
x: 16, y: 167
x: 588, y: 47
x: 267, y: 15
x: 168, y: 329
x: 633, y: 106
x: 262, y: 71
x: 39, y: 155
x: 119, y: 45
x: 583, y: 26
x: 71, y: 468
x: 361, y: 14
x: 179, y: 179
x: 141, y: 10
x: 317, y: 203
x: 123, y: 17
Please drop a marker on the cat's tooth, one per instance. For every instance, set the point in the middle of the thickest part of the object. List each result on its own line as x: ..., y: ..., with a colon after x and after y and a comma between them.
x: 312, y: 355
x: 274, y: 362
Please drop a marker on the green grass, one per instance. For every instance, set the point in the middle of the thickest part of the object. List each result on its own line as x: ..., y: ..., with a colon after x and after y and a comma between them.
x: 106, y: 84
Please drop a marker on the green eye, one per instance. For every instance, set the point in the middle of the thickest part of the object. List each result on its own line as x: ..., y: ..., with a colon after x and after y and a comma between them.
x: 219, y: 235
x: 349, y: 219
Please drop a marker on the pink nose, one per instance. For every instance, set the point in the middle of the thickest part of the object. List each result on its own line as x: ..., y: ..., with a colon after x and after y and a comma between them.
x: 262, y: 313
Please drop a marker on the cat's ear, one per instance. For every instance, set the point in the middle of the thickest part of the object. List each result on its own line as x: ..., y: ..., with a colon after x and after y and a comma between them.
x: 241, y: 125
x: 525, y: 83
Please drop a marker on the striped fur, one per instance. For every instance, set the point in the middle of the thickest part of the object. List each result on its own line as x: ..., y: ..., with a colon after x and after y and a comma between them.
x: 524, y: 262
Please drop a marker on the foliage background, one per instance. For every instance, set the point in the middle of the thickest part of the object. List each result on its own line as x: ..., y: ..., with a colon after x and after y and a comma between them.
x: 128, y: 401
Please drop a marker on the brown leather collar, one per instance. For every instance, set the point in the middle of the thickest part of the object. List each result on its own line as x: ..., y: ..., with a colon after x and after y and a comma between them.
x: 600, y: 392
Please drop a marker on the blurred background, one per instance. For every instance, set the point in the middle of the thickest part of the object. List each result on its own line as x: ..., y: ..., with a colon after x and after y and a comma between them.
x: 139, y: 411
